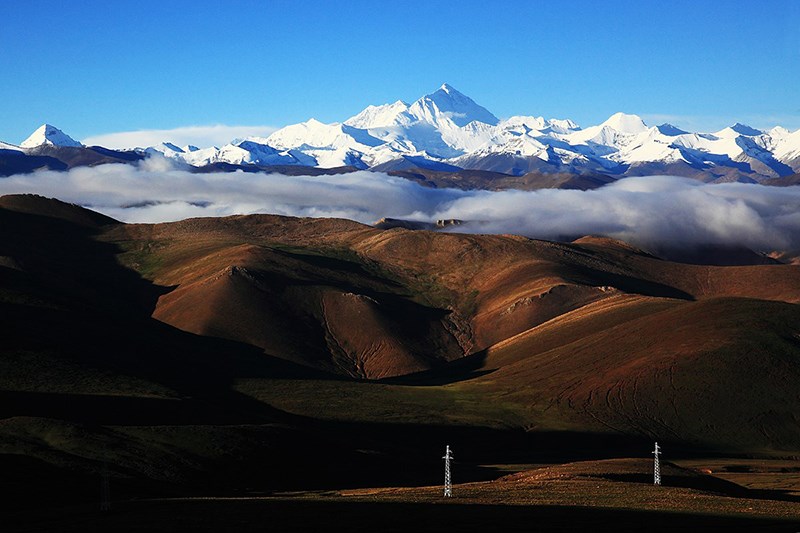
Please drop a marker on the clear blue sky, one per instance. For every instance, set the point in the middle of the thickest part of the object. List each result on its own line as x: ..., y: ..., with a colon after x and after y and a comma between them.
x: 93, y: 67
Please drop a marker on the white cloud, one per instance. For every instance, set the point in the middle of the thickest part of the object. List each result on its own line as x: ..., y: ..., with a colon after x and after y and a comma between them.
x: 651, y: 212
x: 200, y: 136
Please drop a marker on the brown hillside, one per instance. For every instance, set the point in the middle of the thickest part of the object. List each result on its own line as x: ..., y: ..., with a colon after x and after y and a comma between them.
x: 344, y: 297
x: 39, y: 205
x: 593, y: 335
x: 241, y: 355
x: 667, y: 370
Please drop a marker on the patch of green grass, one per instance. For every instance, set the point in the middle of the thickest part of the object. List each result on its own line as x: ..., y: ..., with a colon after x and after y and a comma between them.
x: 154, y: 258
x: 142, y: 256
x: 354, y: 401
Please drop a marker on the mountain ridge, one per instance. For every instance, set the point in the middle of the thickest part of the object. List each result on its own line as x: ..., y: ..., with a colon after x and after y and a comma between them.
x: 448, y: 130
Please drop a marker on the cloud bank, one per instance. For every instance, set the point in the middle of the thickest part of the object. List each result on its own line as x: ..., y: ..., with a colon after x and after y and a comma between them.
x: 200, y: 136
x: 651, y: 212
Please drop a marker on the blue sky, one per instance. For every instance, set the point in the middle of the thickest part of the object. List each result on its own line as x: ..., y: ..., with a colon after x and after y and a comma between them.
x: 97, y: 67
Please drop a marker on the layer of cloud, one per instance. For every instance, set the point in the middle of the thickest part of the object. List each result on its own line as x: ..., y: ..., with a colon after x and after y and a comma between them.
x: 651, y: 212
x: 200, y: 136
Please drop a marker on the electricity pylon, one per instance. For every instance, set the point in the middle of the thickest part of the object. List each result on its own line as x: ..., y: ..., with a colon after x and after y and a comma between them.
x: 448, y: 486
x: 656, y: 466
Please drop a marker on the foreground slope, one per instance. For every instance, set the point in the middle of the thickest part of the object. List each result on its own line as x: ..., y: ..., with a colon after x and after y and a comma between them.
x: 610, y: 495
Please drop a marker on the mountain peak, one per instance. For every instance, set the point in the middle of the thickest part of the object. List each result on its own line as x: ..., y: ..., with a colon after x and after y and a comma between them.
x: 625, y: 123
x: 670, y: 129
x: 744, y: 129
x: 377, y: 116
x: 47, y: 134
x: 449, y: 90
x: 171, y: 146
x: 736, y: 130
x: 451, y: 103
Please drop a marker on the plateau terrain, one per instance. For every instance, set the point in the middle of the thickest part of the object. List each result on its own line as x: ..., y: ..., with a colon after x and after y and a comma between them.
x: 288, y: 363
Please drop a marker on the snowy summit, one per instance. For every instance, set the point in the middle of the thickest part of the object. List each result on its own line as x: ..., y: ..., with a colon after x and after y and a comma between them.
x: 47, y: 134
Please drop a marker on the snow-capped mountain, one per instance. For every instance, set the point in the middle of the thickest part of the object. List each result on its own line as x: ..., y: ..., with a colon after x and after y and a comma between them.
x: 245, y: 152
x: 446, y: 102
x: 446, y: 130
x: 6, y: 146
x: 49, y: 135
x: 449, y: 128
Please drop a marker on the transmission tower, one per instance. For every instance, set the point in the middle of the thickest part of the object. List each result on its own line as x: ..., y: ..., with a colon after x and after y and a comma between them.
x: 656, y: 466
x: 448, y: 486
x: 105, y: 489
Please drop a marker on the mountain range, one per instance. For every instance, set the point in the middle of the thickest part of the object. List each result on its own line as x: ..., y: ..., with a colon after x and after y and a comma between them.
x: 446, y: 132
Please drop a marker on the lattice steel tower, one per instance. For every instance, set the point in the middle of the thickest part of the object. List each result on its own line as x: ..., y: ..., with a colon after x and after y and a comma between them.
x: 656, y: 466
x: 448, y: 486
